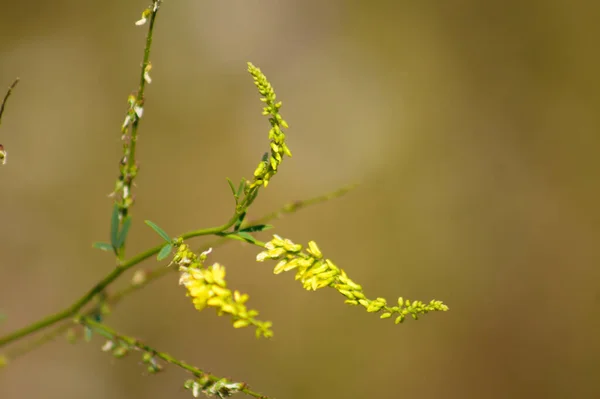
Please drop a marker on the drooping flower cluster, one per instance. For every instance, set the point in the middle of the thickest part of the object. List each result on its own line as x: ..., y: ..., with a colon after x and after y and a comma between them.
x: 314, y: 272
x: 268, y: 166
x: 207, y: 288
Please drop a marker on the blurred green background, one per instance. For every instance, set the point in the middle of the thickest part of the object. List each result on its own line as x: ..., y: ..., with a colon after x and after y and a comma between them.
x: 472, y: 126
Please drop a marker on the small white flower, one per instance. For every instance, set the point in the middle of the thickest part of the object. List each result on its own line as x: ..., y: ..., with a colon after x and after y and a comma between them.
x: 196, y: 389
x: 126, y: 122
x: 108, y: 345
x: 147, y: 77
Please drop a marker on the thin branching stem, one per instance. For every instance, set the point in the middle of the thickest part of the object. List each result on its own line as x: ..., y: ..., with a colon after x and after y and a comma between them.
x: 159, y: 272
x: 8, y: 93
x: 131, y: 160
x: 99, y: 287
x: 131, y: 342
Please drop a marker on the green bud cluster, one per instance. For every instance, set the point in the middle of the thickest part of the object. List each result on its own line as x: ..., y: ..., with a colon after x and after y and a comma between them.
x: 315, y: 272
x: 213, y: 386
x: 120, y: 347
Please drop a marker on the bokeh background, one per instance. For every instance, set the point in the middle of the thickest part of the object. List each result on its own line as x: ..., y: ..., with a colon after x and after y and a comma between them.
x: 473, y: 128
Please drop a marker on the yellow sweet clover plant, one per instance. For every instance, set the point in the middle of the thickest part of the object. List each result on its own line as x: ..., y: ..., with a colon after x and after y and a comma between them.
x: 206, y: 286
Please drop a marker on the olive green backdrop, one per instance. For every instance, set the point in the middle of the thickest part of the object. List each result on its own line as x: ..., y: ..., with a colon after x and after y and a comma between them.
x: 472, y: 126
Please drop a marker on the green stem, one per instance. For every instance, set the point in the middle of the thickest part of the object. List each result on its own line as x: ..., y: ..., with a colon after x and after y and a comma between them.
x: 213, y: 230
x: 8, y: 93
x: 111, y: 334
x: 140, y: 94
x: 105, y: 282
x: 291, y: 207
x: 30, y: 329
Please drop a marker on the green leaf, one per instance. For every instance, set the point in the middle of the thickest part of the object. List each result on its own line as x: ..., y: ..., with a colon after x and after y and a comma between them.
x: 104, y: 246
x: 232, y: 187
x: 164, y: 251
x: 239, y: 221
x: 246, y: 237
x: 158, y: 230
x: 252, y: 195
x: 237, y: 235
x: 256, y: 227
x: 2, y: 317
x: 241, y: 188
x: 114, y: 227
x: 124, y: 231
x: 87, y: 334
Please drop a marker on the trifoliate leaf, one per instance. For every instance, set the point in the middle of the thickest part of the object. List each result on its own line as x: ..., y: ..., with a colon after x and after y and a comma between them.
x: 124, y: 231
x: 257, y: 227
x: 239, y: 222
x: 114, y: 227
x: 246, y: 237
x: 241, y: 188
x: 164, y: 251
x: 158, y: 230
x: 232, y: 188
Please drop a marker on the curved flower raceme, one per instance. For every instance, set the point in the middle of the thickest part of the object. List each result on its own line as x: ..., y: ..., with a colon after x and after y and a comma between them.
x: 315, y: 272
x: 207, y: 288
x: 268, y: 166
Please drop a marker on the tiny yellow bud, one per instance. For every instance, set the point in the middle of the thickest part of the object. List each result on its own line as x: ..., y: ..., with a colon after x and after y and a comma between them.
x: 215, y: 302
x: 220, y: 291
x: 260, y: 169
x: 286, y: 150
x: 240, y: 323
x: 314, y: 250
x: 228, y: 308
x: 359, y: 294
x: 374, y: 307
